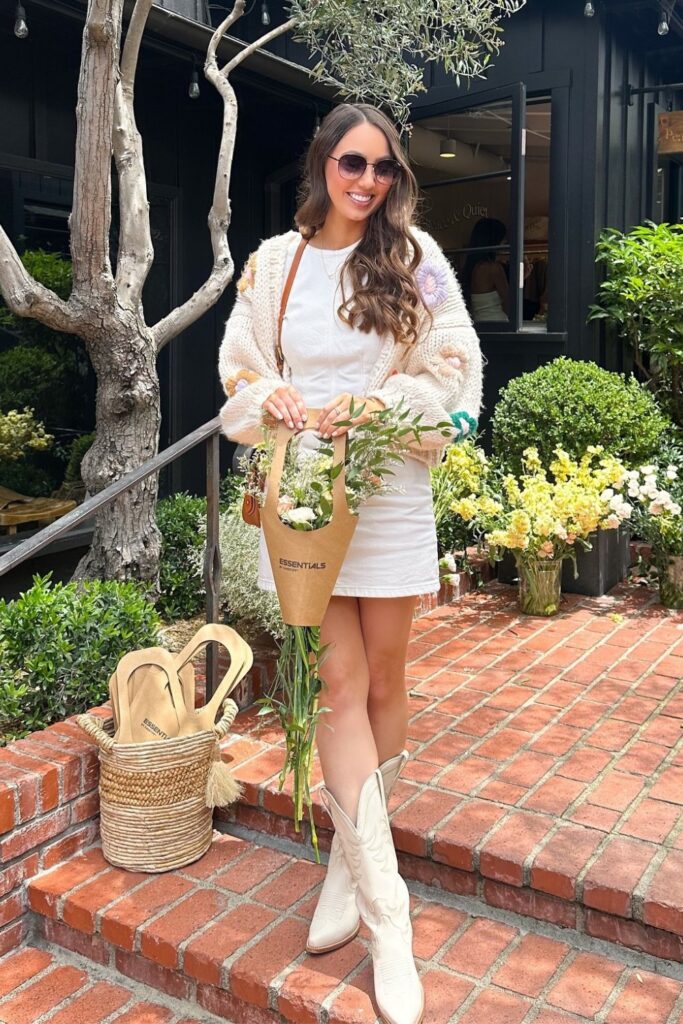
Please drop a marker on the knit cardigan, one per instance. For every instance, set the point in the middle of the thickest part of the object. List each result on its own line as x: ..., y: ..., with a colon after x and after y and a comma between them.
x: 441, y: 377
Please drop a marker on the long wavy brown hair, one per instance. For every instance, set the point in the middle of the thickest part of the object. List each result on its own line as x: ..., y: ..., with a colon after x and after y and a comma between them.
x: 381, y: 268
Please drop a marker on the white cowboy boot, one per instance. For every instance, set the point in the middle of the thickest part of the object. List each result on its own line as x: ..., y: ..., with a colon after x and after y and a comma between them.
x: 336, y: 919
x: 383, y: 901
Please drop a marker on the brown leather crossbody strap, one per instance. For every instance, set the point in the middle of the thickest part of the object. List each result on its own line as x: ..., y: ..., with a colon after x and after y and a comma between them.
x: 283, y: 302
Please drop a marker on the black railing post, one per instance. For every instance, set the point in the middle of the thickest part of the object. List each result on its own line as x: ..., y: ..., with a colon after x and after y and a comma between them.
x: 212, y: 556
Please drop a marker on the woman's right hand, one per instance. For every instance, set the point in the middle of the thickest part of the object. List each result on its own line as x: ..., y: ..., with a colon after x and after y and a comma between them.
x: 285, y: 403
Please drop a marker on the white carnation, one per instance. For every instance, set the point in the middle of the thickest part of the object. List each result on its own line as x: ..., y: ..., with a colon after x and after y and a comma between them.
x: 299, y: 515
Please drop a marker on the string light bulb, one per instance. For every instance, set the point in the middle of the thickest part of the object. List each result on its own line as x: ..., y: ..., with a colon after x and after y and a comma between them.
x: 265, y: 14
x: 20, y: 23
x: 588, y: 9
x: 193, y: 91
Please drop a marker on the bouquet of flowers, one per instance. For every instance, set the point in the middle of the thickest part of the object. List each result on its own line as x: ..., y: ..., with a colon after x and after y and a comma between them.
x: 305, y: 503
x: 539, y: 517
x: 656, y: 493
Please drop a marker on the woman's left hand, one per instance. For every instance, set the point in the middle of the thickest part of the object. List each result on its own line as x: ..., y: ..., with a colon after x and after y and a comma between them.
x: 338, y: 409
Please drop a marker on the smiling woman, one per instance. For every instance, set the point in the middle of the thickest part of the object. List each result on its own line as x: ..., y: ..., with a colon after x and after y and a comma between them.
x: 374, y: 316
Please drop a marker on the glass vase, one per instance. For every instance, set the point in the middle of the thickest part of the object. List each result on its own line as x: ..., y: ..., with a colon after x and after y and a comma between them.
x: 540, y: 586
x: 671, y: 582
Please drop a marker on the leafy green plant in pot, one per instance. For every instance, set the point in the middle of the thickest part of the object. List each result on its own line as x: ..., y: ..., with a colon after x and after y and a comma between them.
x: 642, y: 297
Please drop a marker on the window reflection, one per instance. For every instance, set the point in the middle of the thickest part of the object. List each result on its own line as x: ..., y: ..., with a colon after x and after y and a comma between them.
x: 463, y: 164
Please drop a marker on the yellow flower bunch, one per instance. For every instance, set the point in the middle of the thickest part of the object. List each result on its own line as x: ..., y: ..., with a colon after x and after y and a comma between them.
x: 466, y: 467
x: 19, y: 431
x: 544, y: 513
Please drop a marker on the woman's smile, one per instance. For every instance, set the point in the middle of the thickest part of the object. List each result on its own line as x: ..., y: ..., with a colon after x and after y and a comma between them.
x: 360, y: 198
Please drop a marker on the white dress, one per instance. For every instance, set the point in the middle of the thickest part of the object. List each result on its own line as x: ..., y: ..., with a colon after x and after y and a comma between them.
x: 393, y: 552
x: 487, y: 306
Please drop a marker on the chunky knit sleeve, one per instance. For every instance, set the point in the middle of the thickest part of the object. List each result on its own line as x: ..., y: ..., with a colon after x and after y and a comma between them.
x: 247, y: 376
x: 443, y: 374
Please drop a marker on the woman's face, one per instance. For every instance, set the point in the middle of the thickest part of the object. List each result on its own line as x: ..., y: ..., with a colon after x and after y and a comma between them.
x: 355, y: 200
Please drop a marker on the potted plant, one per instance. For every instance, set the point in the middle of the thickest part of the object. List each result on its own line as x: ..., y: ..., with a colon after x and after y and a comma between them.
x: 574, y: 404
x: 540, y: 518
x: 459, y: 473
x: 656, y: 493
x: 642, y: 297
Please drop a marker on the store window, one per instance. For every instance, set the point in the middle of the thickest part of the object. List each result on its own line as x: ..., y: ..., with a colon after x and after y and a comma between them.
x: 484, y: 175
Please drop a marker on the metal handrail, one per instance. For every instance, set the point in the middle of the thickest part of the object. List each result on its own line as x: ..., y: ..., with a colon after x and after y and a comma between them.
x: 209, y: 433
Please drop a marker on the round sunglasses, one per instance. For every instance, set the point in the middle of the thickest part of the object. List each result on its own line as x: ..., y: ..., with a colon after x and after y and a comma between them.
x: 353, y: 165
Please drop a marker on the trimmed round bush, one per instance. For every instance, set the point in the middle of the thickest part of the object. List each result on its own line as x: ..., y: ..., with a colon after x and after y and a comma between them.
x: 573, y: 403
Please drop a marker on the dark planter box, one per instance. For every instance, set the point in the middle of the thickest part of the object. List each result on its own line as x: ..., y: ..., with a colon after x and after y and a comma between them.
x: 599, y: 570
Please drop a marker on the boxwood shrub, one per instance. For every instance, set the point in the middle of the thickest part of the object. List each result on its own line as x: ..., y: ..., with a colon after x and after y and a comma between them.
x: 574, y: 404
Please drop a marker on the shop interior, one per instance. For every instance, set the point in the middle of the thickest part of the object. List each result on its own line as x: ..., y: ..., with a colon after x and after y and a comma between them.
x: 463, y: 163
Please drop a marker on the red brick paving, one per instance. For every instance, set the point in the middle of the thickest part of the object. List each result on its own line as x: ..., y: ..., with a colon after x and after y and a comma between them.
x: 535, y: 744
x: 545, y: 778
x: 248, y: 963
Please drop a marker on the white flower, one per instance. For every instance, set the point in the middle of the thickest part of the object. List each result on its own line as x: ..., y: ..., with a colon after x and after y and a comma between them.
x: 299, y: 515
x: 633, y: 490
x: 560, y: 531
x: 448, y: 562
x: 611, y: 522
x: 671, y: 472
x: 656, y: 508
x: 648, y: 470
x: 285, y: 504
x: 607, y: 494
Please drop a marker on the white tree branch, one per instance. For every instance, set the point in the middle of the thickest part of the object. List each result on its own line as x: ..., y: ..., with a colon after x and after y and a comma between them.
x: 135, y: 253
x: 279, y: 30
x: 91, y: 211
x: 26, y: 297
x: 219, y: 215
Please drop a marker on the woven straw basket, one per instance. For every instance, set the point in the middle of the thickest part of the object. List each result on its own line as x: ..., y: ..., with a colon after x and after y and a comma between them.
x: 154, y: 810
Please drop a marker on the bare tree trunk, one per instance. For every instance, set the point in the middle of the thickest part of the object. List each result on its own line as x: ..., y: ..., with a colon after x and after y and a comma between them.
x: 106, y: 311
x: 126, y: 542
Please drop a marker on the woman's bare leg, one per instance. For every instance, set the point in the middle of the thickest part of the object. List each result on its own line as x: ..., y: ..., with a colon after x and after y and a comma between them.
x: 385, y: 625
x: 346, y: 745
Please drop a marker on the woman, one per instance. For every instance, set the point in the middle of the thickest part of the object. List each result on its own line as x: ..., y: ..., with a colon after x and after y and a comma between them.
x: 375, y: 313
x: 484, y: 281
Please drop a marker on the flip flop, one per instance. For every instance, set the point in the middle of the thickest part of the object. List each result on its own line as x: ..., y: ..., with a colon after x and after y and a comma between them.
x: 241, y: 660
x: 157, y: 710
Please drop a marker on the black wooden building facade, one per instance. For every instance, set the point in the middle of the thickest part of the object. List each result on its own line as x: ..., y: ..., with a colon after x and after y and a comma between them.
x: 548, y: 145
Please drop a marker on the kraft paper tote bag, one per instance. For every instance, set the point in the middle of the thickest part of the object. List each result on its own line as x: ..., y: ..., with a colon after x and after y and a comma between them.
x: 306, y: 563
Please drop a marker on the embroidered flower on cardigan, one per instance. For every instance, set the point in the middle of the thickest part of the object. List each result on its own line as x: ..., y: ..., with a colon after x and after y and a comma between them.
x: 241, y: 380
x: 453, y: 360
x: 432, y: 280
x: 248, y: 274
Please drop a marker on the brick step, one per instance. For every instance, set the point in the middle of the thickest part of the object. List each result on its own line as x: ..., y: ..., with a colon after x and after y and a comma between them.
x: 41, y: 985
x: 227, y: 934
x: 546, y: 768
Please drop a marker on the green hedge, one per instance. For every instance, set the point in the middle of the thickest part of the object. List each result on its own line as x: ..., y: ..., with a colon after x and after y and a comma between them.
x: 59, y: 645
